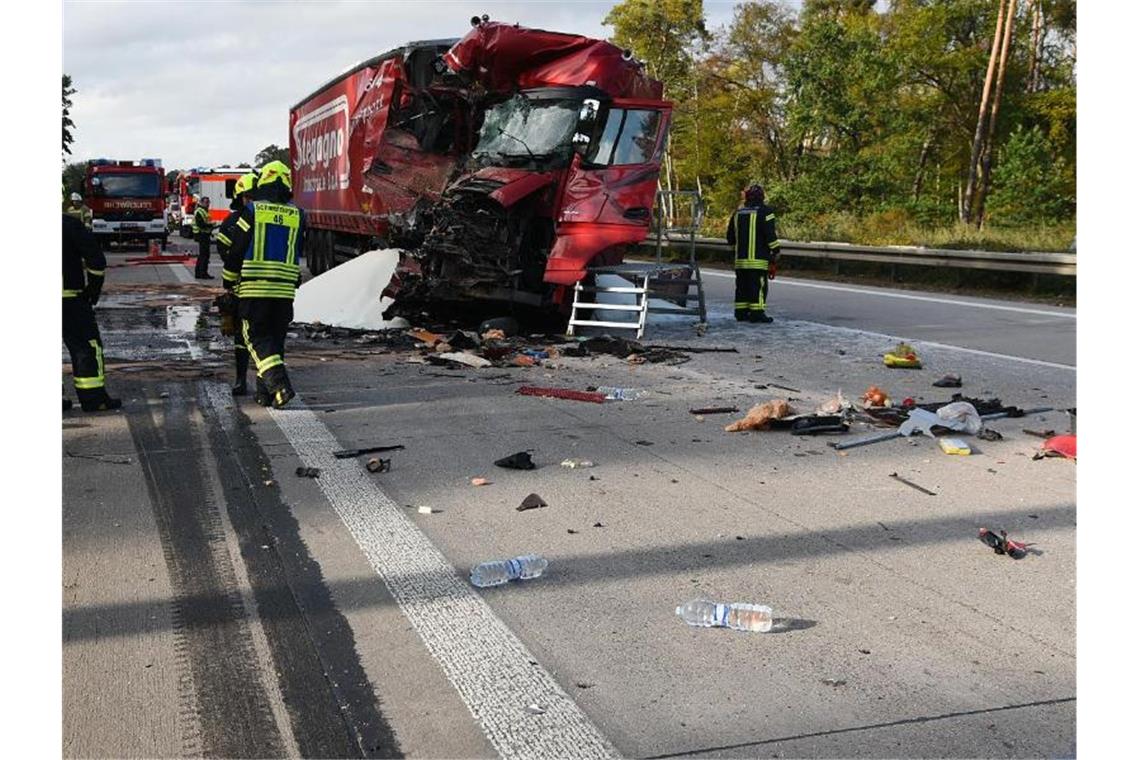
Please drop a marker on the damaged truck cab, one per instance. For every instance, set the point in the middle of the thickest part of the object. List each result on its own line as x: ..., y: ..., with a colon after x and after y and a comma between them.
x: 541, y: 158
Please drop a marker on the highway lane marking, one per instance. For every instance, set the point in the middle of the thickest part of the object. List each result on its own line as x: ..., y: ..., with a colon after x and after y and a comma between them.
x: 909, y: 297
x: 182, y: 272
x: 493, y: 672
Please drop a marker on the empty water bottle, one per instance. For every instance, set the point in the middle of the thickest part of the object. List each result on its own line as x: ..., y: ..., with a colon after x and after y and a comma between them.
x: 500, y: 571
x: 574, y: 464
x: 621, y: 394
x: 739, y: 617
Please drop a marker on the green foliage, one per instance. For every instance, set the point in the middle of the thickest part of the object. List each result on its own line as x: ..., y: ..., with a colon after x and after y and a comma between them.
x: 73, y: 175
x: 272, y: 153
x: 68, y: 124
x: 846, y: 112
x: 1030, y: 184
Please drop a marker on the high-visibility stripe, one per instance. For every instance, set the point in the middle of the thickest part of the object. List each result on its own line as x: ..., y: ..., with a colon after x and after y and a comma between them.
x: 752, y: 235
x: 229, y: 276
x: 95, y: 272
x: 770, y: 218
x: 243, y: 224
x: 269, y: 362
x: 71, y: 293
x: 249, y: 344
x: 752, y: 264
x: 223, y: 238
x: 774, y: 244
x: 88, y: 383
x: 247, y: 291
x: 98, y: 357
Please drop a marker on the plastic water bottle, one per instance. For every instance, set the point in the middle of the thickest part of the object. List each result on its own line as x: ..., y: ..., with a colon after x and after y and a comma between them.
x: 500, y: 571
x: 574, y: 464
x: 621, y: 394
x: 739, y: 617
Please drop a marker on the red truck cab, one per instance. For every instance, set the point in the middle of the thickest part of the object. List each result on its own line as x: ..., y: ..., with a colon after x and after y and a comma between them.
x: 505, y: 163
x: 127, y: 200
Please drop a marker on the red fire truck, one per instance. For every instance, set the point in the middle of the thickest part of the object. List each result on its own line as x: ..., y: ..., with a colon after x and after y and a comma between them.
x: 215, y: 184
x: 507, y: 162
x: 126, y: 199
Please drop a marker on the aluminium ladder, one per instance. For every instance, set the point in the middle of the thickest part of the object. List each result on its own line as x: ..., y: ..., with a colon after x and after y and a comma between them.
x: 645, y: 280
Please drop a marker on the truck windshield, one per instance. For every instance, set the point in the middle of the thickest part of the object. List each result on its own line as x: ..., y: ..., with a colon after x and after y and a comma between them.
x: 128, y: 185
x: 525, y: 127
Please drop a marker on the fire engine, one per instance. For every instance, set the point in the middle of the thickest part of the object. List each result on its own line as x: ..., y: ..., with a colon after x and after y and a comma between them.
x: 215, y: 184
x: 126, y: 200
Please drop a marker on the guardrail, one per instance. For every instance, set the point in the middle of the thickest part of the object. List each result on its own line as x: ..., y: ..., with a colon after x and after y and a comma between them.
x: 1064, y: 264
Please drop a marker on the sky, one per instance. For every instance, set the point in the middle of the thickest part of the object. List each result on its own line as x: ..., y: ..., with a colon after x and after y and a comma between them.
x: 210, y: 82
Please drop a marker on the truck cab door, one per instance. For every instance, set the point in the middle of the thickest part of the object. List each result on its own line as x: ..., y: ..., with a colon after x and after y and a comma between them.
x: 607, y: 197
x: 613, y: 178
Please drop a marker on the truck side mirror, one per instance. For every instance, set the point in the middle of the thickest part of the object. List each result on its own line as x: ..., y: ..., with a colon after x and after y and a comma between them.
x: 588, y: 113
x: 581, y: 143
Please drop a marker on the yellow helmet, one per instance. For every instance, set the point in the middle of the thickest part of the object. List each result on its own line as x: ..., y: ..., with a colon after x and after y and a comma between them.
x: 274, y: 171
x: 245, y: 183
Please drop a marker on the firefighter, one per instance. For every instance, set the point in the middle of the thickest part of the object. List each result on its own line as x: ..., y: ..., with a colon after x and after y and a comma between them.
x: 79, y: 210
x: 83, y: 268
x: 228, y: 302
x: 201, y: 227
x: 752, y: 234
x: 262, y: 258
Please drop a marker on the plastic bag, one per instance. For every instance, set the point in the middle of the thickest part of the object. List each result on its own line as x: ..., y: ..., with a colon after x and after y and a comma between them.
x: 962, y: 416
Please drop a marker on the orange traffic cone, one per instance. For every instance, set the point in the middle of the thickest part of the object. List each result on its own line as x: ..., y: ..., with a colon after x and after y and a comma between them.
x: 153, y: 250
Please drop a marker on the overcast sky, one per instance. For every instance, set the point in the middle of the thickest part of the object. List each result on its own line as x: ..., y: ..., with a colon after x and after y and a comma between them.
x: 210, y: 82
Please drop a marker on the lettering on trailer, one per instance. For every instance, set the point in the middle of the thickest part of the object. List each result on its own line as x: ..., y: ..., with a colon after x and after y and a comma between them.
x: 321, y: 137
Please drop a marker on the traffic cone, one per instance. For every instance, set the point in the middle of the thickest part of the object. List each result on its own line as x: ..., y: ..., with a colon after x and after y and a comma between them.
x: 153, y: 250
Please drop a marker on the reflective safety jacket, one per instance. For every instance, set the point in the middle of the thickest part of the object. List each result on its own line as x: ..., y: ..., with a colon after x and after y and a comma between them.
x: 83, y: 260
x: 264, y: 246
x: 201, y: 221
x: 752, y: 234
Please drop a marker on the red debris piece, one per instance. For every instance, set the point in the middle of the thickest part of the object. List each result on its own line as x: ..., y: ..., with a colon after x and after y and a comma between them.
x: 563, y: 393
x: 1061, y: 446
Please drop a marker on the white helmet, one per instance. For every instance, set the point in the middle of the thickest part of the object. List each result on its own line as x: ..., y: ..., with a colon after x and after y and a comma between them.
x: 76, y: 198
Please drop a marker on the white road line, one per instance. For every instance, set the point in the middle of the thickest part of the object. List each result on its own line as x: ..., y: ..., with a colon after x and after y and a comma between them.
x: 181, y: 272
x: 491, y: 669
x: 906, y: 296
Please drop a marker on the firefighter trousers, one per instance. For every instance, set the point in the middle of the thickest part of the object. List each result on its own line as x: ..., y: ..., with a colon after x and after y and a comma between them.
x: 264, y: 322
x: 751, y: 292
x: 81, y: 336
x: 202, y: 265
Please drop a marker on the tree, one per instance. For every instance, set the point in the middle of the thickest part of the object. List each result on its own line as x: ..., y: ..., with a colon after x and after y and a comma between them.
x: 272, y: 153
x: 1028, y: 189
x: 68, y: 124
x: 73, y: 175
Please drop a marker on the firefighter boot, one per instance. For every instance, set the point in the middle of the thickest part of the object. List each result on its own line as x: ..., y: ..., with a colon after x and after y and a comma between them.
x: 241, y: 365
x: 97, y: 401
x: 741, y: 315
x: 759, y: 316
x: 261, y: 394
x: 280, y: 389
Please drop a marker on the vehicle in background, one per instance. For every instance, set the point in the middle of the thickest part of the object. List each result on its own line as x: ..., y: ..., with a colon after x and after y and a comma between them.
x: 215, y: 184
x: 507, y: 163
x: 127, y: 200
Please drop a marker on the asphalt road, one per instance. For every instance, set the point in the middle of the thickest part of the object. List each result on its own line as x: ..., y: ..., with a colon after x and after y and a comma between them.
x: 215, y: 603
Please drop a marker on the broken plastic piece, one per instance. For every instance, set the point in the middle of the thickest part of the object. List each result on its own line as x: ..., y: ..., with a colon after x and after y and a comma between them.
x: 425, y: 510
x: 948, y: 381
x: 574, y: 464
x: 760, y: 416
x: 518, y: 461
x: 462, y: 357
x: 480, y: 482
x: 425, y: 336
x: 955, y: 446
x: 1002, y: 544
x: 308, y: 472
x: 378, y: 465
x: 563, y: 393
x: 902, y: 356
x: 534, y: 501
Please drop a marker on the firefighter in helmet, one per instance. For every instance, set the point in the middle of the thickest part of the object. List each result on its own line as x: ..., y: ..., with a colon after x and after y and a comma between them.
x: 752, y: 234
x: 83, y: 269
x: 201, y: 227
x: 262, y: 259
x: 228, y: 301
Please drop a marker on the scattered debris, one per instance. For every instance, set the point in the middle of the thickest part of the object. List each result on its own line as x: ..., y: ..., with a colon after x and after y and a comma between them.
x: 620, y: 394
x: 495, y: 334
x: 584, y: 684
x: 915, y: 486
x: 573, y: 464
x: 875, y: 396
x: 834, y: 682
x: 955, y: 446
x: 864, y: 651
x: 99, y: 458
x: 697, y: 349
x: 571, y: 531
x: 270, y: 483
x: 785, y: 388
x: 715, y: 410
x: 508, y: 326
x: 836, y: 405
x: 462, y: 357
x: 598, y: 525
x: 961, y: 415
x: 562, y: 393
x: 644, y: 443
x: 815, y: 424
x: 1040, y: 433
x: 988, y: 434
x: 1003, y: 544
x: 378, y: 465
x: 760, y: 416
x: 518, y: 461
x: 480, y: 482
x: 425, y: 510
x: 351, y: 453
x: 534, y: 709
x: 425, y: 336
x: 308, y: 472
x: 534, y: 501
x: 1058, y: 446
x: 902, y: 356
x: 948, y: 381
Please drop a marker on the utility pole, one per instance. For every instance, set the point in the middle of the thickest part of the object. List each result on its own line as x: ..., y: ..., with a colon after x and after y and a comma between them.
x: 966, y: 206
x: 987, y: 159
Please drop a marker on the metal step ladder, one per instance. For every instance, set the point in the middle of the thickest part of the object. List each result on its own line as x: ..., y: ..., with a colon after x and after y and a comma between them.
x: 658, y: 279
x: 640, y: 307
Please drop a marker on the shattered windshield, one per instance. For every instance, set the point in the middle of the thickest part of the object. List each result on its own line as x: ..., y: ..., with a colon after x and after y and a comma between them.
x: 523, y: 127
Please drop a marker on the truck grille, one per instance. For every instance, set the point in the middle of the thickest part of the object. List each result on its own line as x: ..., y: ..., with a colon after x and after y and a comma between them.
x: 129, y: 215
